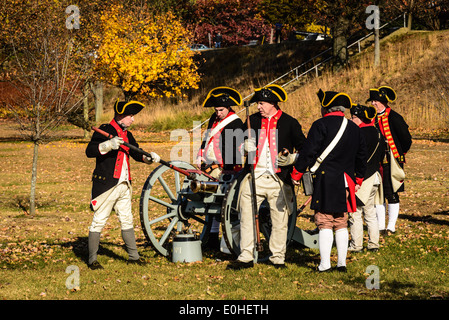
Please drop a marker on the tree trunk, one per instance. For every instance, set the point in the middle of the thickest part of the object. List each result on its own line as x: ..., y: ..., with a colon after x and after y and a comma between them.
x: 409, y: 21
x: 98, y: 93
x: 86, y: 109
x: 340, y: 43
x: 34, y: 179
x: 376, y: 48
x: 411, y: 8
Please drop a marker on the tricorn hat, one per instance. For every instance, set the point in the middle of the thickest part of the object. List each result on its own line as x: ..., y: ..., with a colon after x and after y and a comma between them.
x: 127, y: 108
x: 364, y: 113
x: 331, y: 99
x: 222, y: 97
x: 383, y: 94
x: 272, y: 93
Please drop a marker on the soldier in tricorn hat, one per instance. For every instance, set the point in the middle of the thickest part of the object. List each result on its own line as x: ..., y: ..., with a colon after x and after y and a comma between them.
x: 219, y: 152
x: 274, y: 131
x: 371, y: 190
x: 337, y: 177
x: 213, y: 156
x: 398, y: 139
x: 111, y: 179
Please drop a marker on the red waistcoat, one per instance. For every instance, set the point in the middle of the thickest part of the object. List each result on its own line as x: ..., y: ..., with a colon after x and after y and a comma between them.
x: 268, y: 130
x: 123, y: 152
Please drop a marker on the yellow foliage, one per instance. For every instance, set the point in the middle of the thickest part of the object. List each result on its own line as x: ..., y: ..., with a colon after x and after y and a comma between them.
x: 145, y: 54
x: 315, y: 28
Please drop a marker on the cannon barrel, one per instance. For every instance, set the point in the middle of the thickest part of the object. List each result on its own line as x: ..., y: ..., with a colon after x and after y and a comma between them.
x: 204, y: 186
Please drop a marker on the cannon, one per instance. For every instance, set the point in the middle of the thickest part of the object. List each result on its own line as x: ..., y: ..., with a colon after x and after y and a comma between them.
x: 177, y: 196
x: 172, y: 203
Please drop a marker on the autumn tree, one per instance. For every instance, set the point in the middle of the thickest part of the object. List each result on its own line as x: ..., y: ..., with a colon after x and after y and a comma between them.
x: 43, y: 72
x: 237, y: 21
x: 292, y: 14
x: 430, y: 14
x: 145, y: 54
x: 344, y: 18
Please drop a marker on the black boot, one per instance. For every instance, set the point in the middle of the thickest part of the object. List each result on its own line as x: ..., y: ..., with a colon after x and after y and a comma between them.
x: 130, y: 244
x: 93, y: 245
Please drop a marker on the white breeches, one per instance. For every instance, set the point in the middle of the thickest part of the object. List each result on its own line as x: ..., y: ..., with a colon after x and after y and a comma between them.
x: 118, y: 200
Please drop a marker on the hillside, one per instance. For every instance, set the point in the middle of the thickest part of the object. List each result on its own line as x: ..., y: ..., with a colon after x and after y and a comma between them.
x: 247, y: 67
x: 413, y: 63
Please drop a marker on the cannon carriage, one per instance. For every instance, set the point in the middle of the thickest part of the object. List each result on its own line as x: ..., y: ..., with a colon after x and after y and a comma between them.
x: 173, y: 203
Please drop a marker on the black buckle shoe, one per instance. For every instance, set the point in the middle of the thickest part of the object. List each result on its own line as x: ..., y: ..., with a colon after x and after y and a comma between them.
x: 95, y: 265
x: 342, y: 269
x: 139, y: 262
x: 238, y: 265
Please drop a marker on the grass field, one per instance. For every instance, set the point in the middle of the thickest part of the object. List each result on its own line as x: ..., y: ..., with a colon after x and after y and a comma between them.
x: 36, y: 252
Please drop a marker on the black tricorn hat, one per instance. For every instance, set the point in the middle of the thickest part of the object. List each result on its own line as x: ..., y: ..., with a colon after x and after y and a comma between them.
x: 383, y: 94
x: 222, y: 97
x: 271, y: 93
x: 331, y: 99
x: 127, y: 108
x: 364, y: 113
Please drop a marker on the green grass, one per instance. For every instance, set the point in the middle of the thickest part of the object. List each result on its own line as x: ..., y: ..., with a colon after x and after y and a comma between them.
x: 35, y: 252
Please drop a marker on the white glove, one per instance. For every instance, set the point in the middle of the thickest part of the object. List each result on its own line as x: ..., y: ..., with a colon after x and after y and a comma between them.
x: 250, y: 145
x: 154, y: 158
x: 287, y: 160
x: 111, y: 144
x: 199, y: 160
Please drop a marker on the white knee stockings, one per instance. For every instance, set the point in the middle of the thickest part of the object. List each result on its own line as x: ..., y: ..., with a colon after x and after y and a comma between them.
x: 326, y: 239
x: 341, y: 241
x: 393, y: 214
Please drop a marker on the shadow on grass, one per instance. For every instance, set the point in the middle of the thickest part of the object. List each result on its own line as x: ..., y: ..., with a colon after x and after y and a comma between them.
x: 80, y: 249
x: 442, y: 213
x: 302, y: 256
x: 427, y: 218
x: 388, y: 290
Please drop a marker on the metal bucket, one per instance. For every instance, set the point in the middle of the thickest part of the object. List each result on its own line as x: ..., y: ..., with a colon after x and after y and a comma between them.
x: 186, y: 248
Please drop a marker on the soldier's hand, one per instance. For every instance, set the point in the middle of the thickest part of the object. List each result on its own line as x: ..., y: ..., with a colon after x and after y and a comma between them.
x: 199, y: 160
x: 154, y: 158
x: 111, y: 144
x: 286, y: 160
x: 296, y: 177
x: 116, y: 142
x: 250, y: 145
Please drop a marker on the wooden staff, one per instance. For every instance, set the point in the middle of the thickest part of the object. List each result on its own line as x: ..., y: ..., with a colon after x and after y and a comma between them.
x: 259, y: 246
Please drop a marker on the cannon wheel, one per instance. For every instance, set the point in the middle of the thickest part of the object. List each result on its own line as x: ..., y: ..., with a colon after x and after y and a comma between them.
x: 231, y: 222
x: 161, y: 189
